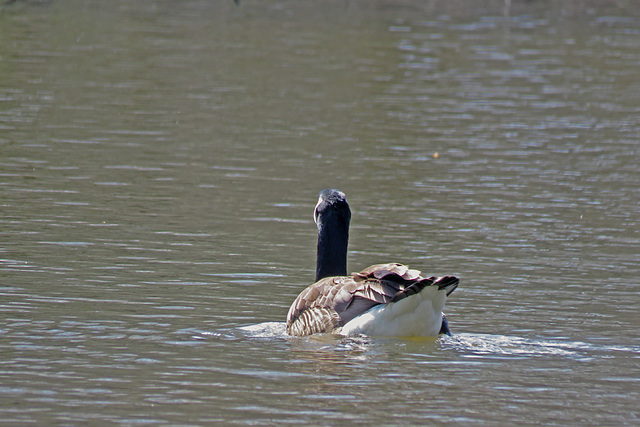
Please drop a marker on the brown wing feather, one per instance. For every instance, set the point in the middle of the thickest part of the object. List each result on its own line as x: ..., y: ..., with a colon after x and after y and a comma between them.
x: 334, y: 301
x: 326, y: 297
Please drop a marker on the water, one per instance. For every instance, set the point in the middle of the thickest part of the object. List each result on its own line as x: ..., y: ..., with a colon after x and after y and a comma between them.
x: 159, y: 164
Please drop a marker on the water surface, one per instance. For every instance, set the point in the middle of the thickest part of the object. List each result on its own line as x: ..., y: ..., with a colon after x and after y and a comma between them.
x: 159, y: 165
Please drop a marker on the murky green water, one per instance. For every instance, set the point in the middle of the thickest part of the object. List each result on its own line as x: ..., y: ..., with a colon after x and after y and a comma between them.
x: 159, y: 165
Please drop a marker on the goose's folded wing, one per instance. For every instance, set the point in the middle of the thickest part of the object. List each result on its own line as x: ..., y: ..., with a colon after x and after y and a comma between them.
x: 317, y: 308
x: 403, y: 280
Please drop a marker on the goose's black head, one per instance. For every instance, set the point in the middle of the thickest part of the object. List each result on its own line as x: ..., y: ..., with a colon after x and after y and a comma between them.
x: 332, y: 216
x: 332, y: 207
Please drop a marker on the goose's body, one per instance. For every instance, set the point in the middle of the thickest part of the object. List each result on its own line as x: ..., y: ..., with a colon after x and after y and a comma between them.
x: 382, y: 300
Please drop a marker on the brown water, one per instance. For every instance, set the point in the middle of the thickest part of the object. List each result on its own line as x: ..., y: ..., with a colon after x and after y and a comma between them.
x: 159, y: 164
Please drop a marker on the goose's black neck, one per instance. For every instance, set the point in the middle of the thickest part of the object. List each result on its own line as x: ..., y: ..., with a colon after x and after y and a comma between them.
x: 332, y: 218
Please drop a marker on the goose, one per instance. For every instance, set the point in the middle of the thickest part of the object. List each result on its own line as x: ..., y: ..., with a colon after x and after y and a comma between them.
x: 381, y: 300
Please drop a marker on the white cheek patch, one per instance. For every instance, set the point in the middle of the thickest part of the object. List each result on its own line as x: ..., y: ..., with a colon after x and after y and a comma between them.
x: 315, y: 211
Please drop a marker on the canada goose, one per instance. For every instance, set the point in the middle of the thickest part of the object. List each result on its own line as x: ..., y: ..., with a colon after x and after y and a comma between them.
x: 381, y: 300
